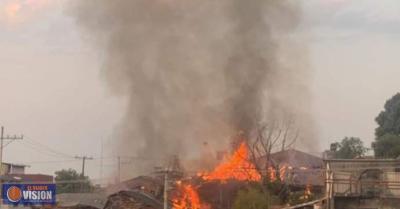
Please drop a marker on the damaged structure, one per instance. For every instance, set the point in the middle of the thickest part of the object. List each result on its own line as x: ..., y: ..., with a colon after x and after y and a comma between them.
x: 300, y: 169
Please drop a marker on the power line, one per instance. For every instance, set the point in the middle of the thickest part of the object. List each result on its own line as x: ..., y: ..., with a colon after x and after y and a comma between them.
x: 42, y: 151
x: 54, y: 161
x: 49, y: 148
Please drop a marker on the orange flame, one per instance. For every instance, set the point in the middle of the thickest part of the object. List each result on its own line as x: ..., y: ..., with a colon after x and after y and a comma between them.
x: 238, y: 167
x: 272, y: 173
x: 307, y: 193
x: 189, y: 199
x: 282, y: 171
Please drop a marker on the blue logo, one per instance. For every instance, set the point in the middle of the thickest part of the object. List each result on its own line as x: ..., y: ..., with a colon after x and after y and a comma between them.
x: 29, y: 194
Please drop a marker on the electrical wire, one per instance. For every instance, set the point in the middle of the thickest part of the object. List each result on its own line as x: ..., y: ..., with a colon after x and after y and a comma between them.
x: 54, y: 161
x: 41, y: 151
x: 42, y: 146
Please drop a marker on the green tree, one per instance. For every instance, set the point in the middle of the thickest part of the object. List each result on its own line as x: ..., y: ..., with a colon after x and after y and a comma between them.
x: 251, y: 198
x: 348, y: 148
x: 389, y: 119
x: 388, y: 146
x: 70, y: 181
x: 387, y: 140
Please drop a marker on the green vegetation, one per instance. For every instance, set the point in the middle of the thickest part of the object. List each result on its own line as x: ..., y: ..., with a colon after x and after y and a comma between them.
x: 300, y: 197
x: 387, y: 146
x: 69, y: 181
x: 252, y: 198
x: 275, y: 193
x: 387, y: 141
x: 348, y: 148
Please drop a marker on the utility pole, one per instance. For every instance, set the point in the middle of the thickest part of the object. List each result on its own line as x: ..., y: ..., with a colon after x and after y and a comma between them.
x: 83, y: 158
x: 101, y: 163
x: 119, y: 169
x: 166, y: 189
x: 11, y: 139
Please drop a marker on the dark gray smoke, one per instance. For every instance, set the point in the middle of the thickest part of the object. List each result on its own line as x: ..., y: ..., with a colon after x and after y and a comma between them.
x: 198, y: 71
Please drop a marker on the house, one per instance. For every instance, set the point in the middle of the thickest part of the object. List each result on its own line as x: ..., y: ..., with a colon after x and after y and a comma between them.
x: 9, y: 168
x: 10, y: 172
x: 149, y: 185
x: 299, y: 169
x: 363, y: 183
x: 297, y: 159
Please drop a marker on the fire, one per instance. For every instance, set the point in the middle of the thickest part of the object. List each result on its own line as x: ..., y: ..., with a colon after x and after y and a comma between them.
x: 237, y: 167
x: 283, y: 171
x: 308, y: 190
x: 272, y: 173
x: 307, y: 193
x: 189, y: 198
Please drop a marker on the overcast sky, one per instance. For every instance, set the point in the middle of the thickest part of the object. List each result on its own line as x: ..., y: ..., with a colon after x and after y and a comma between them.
x: 51, y: 88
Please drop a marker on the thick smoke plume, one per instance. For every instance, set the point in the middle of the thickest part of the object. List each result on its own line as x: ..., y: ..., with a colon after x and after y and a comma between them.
x: 198, y: 71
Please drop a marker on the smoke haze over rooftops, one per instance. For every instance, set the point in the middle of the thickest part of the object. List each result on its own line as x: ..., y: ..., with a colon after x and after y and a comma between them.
x: 200, y: 70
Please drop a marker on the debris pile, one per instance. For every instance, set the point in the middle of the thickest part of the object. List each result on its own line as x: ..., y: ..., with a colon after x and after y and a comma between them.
x: 132, y: 200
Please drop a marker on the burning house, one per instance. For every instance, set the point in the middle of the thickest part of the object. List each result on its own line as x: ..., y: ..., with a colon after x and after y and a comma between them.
x: 294, y: 170
x: 299, y: 169
x: 218, y: 188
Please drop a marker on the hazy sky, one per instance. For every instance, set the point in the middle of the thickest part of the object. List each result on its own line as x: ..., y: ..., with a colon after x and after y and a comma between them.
x: 52, y: 91
x: 354, y: 47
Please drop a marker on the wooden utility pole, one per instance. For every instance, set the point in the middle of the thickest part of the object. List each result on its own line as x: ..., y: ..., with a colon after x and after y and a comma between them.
x: 101, y: 163
x: 165, y: 190
x: 119, y: 169
x: 10, y: 139
x: 83, y: 158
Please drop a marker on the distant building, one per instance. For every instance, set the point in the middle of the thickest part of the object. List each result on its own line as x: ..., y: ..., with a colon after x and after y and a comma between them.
x: 10, y: 172
x: 27, y: 178
x: 363, y: 183
x: 9, y: 168
x: 328, y: 154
